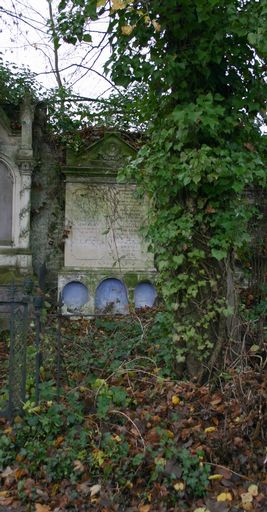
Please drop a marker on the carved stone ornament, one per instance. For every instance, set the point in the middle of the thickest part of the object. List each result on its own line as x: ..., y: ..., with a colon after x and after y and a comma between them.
x: 112, y: 152
x: 25, y: 166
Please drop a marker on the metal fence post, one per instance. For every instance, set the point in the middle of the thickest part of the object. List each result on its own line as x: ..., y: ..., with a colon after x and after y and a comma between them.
x: 38, y: 304
x: 59, y: 315
x: 17, y: 355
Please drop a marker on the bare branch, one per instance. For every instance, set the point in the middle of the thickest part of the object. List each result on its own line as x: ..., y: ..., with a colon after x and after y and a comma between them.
x: 56, y: 70
x: 84, y: 67
x: 23, y: 19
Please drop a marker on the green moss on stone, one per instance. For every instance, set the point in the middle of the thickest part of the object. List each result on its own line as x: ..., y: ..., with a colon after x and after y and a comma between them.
x: 131, y: 279
x: 9, y: 276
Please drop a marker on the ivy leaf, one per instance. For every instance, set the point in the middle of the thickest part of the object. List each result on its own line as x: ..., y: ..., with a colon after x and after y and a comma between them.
x: 178, y: 260
x: 87, y: 38
x: 219, y: 254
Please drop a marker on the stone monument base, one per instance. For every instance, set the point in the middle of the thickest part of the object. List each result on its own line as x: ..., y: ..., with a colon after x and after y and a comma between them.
x: 103, y: 292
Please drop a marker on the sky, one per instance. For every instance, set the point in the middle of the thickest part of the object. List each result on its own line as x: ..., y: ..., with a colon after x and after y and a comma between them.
x: 27, y: 43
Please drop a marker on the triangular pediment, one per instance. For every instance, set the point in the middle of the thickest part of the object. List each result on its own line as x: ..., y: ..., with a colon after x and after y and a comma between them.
x: 108, y: 153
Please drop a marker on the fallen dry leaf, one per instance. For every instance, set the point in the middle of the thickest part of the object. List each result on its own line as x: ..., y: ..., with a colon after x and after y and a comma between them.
x: 175, y: 400
x: 246, y: 497
x: 7, y: 472
x: 59, y: 440
x: 224, y: 496
x: 4, y: 494
x: 209, y: 430
x: 84, y: 488
x: 247, y: 506
x: 78, y: 466
x: 179, y: 486
x: 42, y: 508
x: 215, y: 477
x: 253, y: 490
x: 20, y: 473
x: 95, y: 489
x: 6, y: 501
x: 144, y: 508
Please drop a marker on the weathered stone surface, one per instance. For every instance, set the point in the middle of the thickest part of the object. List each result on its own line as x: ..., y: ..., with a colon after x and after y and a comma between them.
x: 105, y: 223
x: 104, y: 247
x: 16, y: 165
x: 6, y: 203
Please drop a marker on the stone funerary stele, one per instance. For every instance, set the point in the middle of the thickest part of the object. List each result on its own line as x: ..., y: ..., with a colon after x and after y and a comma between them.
x: 107, y: 265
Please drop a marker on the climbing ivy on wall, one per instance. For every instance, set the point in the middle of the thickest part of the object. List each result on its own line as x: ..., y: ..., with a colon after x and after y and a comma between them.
x: 204, y: 64
x: 197, y: 69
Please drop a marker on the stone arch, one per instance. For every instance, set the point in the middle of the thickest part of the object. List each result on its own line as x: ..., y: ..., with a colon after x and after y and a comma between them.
x: 75, y: 294
x: 111, y: 297
x: 7, y: 183
x: 145, y: 295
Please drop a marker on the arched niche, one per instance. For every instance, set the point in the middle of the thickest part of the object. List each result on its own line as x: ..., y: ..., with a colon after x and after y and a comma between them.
x: 145, y: 295
x: 6, y: 204
x: 111, y: 297
x: 75, y: 295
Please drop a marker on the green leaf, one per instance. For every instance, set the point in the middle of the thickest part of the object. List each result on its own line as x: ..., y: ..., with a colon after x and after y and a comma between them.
x: 87, y: 38
x: 219, y: 254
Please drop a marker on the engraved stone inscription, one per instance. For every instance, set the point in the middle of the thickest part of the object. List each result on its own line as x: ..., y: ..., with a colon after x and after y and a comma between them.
x: 105, y: 223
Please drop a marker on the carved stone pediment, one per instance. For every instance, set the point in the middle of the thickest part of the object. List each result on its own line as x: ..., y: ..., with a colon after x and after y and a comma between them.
x: 107, y: 154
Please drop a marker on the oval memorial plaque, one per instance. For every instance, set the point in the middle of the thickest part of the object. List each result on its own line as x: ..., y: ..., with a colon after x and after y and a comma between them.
x: 145, y: 295
x: 111, y: 297
x: 75, y: 294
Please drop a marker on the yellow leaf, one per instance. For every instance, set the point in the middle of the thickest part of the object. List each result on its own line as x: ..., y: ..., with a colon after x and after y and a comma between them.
x: 100, y: 3
x: 59, y: 440
x: 247, y: 506
x: 253, y: 490
x: 175, y: 400
x: 4, y: 494
x: 246, y: 497
x: 144, y: 508
x: 42, y: 508
x: 20, y: 473
x: 116, y: 438
x: 17, y: 420
x: 254, y: 348
x: 201, y: 509
x: 127, y: 30
x: 99, y: 457
x: 179, y: 486
x: 224, y: 496
x: 170, y: 434
x: 215, y: 477
x: 55, y: 488
x: 208, y: 430
x: 156, y: 25
x: 118, y: 4
x: 8, y: 430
